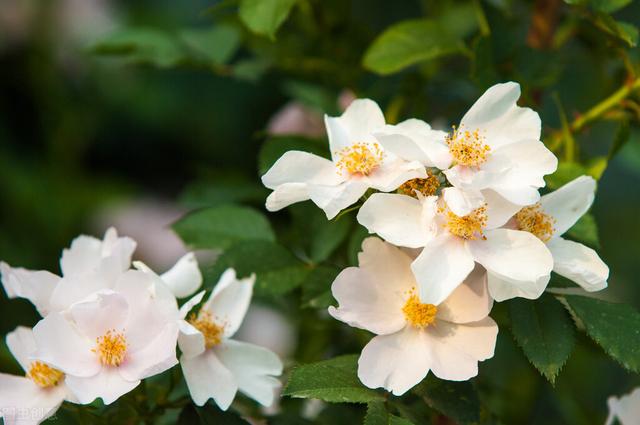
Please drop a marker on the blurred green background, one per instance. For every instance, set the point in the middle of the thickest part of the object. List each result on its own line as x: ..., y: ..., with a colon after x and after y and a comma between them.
x: 101, y: 124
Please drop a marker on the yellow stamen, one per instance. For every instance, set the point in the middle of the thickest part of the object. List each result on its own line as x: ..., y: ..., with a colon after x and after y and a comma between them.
x: 212, y: 331
x: 469, y: 226
x: 426, y: 187
x: 360, y: 158
x: 533, y: 220
x: 111, y: 348
x: 419, y: 315
x: 44, y: 375
x: 467, y: 147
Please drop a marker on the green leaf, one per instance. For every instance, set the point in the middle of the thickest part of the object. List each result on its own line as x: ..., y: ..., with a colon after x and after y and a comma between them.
x: 210, y: 414
x: 622, y: 31
x: 409, y: 42
x: 272, y: 149
x: 544, y: 331
x: 585, y: 231
x: 220, y: 227
x: 143, y: 46
x: 223, y: 190
x: 334, y: 381
x: 377, y: 414
x: 607, y: 6
x: 277, y: 270
x: 318, y: 237
x: 264, y: 17
x: 215, y: 45
x: 316, y: 289
x: 456, y: 400
x: 355, y: 244
x: 615, y: 327
x: 566, y: 172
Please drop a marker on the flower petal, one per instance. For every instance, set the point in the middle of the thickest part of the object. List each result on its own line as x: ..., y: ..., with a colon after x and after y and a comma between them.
x: 578, y: 263
x: 100, y: 313
x: 499, y: 210
x: 397, y: 219
x: 502, y: 288
x: 443, y: 265
x: 253, y: 367
x: 462, y: 202
x: 230, y: 300
x: 24, y: 403
x: 285, y: 195
x: 469, y: 302
x: 35, y: 286
x: 626, y: 408
x: 154, y: 358
x: 301, y: 167
x: 393, y: 172
x: 86, y: 253
x: 570, y: 202
x: 333, y: 199
x: 188, y: 306
x: 396, y: 362
x: 207, y: 378
x: 184, y: 278
x: 22, y: 345
x: 107, y: 385
x: 190, y: 340
x: 527, y: 162
x: 359, y: 121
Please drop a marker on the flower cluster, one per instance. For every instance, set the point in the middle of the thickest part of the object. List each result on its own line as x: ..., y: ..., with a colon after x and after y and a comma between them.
x: 463, y: 224
x: 107, y: 326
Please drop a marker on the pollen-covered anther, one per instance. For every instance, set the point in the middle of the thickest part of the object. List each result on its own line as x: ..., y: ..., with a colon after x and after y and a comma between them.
x: 44, y: 375
x: 535, y: 221
x: 360, y: 158
x: 417, y: 314
x: 469, y: 226
x: 467, y: 147
x: 111, y: 348
x: 426, y: 187
x: 212, y: 332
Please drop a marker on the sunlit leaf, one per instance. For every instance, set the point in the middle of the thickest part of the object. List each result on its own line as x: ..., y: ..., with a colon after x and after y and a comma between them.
x: 264, y: 17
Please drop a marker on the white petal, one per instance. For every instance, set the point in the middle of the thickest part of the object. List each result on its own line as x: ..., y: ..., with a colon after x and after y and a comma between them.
x: 154, y: 358
x: 397, y: 219
x: 208, y: 378
x: 372, y: 296
x: 500, y: 119
x: 578, y: 263
x: 100, y: 313
x: 184, y: 278
x: 626, y: 408
x: 527, y: 162
x: 395, y: 362
x: 24, y: 403
x: 512, y: 254
x: 61, y: 346
x: 301, y: 167
x: 285, y: 195
x: 253, y: 367
x: 394, y: 172
x: 499, y: 210
x: 570, y: 202
x: 469, y: 302
x: 120, y: 248
x: 107, y: 385
x: 82, y: 256
x: 462, y: 202
x: 502, y: 288
x: 190, y: 340
x: 36, y: 286
x: 333, y: 199
x: 230, y: 300
x: 443, y: 265
x: 22, y: 345
x: 519, y: 195
x: 188, y: 306
x: 357, y: 124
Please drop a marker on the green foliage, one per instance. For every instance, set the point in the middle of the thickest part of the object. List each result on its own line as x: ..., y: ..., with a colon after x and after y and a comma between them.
x: 586, y: 231
x: 544, y: 331
x: 456, y: 400
x: 209, y: 414
x: 219, y: 227
x: 566, y: 172
x: 316, y: 288
x: 615, y: 327
x: 377, y: 414
x: 334, y: 381
x: 264, y: 17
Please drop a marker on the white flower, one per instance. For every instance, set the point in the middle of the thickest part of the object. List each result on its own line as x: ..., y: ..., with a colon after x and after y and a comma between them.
x: 216, y: 366
x: 548, y: 220
x: 625, y: 409
x: 36, y: 397
x: 358, y: 162
x: 453, y: 244
x: 107, y: 343
x: 413, y: 338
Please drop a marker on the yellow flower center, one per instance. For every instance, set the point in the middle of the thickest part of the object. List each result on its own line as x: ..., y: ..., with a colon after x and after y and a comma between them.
x: 467, y: 147
x: 533, y: 220
x: 469, y: 226
x: 111, y: 348
x: 419, y: 315
x: 44, y: 375
x: 426, y: 187
x: 360, y: 158
x: 212, y: 331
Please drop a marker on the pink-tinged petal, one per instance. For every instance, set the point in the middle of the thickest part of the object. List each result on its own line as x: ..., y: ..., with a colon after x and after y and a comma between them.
x: 469, y: 302
x: 207, y: 378
x: 108, y: 385
x: 393, y: 172
x: 35, y: 286
x: 502, y: 288
x: 499, y: 210
x: 570, y: 202
x: 441, y: 267
x: 578, y: 263
x: 184, y: 278
x: 512, y: 254
x: 230, y: 300
x: 190, y: 340
x: 398, y: 219
x: 333, y: 199
x: 154, y: 358
x: 22, y: 345
x: 84, y: 255
x: 396, y: 362
x: 100, y: 313
x: 500, y: 119
x: 301, y: 167
x: 462, y: 202
x: 61, y: 346
x: 120, y: 248
x: 253, y: 367
x: 24, y: 403
x: 361, y: 119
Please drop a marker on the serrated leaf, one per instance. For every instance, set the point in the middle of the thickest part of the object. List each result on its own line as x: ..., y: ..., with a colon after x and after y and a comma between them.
x: 377, y: 414
x: 272, y: 149
x: 544, y: 331
x: 334, y: 381
x: 215, y: 45
x: 586, y: 231
x: 615, y: 327
x: 456, y: 400
x: 264, y: 17
x: 220, y: 227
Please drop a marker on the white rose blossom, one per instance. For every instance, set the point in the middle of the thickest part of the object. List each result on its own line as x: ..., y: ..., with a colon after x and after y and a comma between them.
x: 216, y: 366
x: 625, y: 409
x: 412, y: 338
x: 452, y: 245
x: 30, y: 399
x: 358, y: 163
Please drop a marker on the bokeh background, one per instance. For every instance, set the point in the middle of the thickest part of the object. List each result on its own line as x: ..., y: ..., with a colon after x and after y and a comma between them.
x: 96, y: 133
